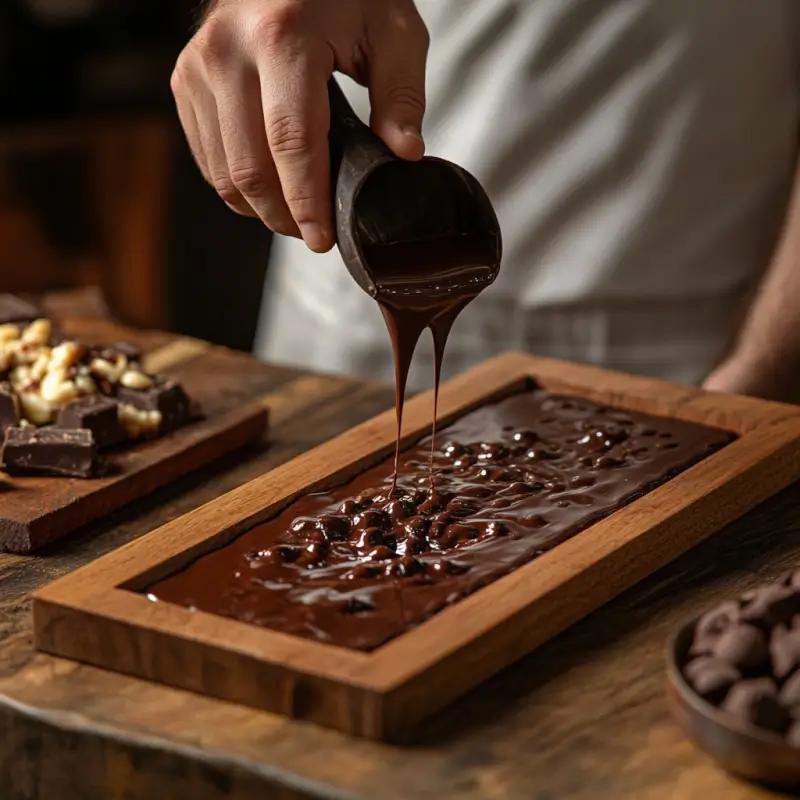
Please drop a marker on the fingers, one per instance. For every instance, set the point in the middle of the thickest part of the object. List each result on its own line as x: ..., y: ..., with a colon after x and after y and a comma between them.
x: 197, y: 110
x: 190, y: 125
x: 249, y: 169
x: 398, y: 55
x: 296, y: 121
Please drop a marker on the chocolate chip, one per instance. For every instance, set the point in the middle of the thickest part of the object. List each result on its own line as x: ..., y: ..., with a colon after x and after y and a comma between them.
x: 712, y: 625
x: 335, y: 529
x: 372, y: 518
x: 711, y: 677
x: 744, y: 646
x: 793, y: 735
x: 399, y: 510
x: 418, y: 526
x: 458, y: 533
x: 496, y: 529
x: 784, y: 648
x: 417, y: 543
x: 770, y: 605
x: 349, y: 507
x: 756, y: 701
x: 370, y: 538
x: 381, y: 553
x: 435, y: 501
x: 406, y: 567
x: 607, y: 462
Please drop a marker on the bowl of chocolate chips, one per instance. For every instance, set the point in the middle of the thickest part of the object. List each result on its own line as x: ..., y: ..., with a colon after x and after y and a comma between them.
x: 734, y: 682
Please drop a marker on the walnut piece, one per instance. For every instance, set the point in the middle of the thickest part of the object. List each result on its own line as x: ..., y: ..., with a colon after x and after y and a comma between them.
x: 138, y: 422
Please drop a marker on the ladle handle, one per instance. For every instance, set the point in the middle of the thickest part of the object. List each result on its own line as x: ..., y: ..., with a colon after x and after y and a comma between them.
x: 352, y: 143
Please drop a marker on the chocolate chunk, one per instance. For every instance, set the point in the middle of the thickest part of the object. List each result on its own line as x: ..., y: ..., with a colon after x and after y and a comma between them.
x: 784, y: 647
x: 9, y: 408
x: 711, y: 677
x: 743, y: 646
x: 131, y: 351
x: 712, y: 625
x: 770, y: 605
x: 167, y: 397
x: 793, y: 735
x: 14, y: 309
x: 756, y: 701
x: 96, y: 413
x: 50, y: 451
x: 790, y: 692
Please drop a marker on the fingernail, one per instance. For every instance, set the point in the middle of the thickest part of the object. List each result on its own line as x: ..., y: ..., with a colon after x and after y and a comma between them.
x: 413, y: 131
x: 314, y: 236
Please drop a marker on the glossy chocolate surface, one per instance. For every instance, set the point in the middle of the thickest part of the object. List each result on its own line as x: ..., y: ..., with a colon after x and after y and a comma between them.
x: 356, y: 566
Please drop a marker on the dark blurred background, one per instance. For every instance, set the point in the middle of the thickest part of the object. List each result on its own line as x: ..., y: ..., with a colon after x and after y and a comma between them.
x: 97, y: 186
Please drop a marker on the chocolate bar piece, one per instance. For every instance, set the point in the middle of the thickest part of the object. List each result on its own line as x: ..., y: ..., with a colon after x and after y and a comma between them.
x: 167, y: 397
x: 96, y: 413
x: 109, y: 352
x: 14, y: 309
x: 9, y: 408
x: 50, y: 451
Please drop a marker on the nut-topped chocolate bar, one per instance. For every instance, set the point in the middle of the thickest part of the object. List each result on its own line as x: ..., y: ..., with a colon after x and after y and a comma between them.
x: 360, y: 564
x: 62, y: 401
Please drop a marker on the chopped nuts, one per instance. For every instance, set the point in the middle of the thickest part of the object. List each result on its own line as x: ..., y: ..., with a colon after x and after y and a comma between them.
x: 20, y: 376
x: 8, y: 333
x: 111, y: 372
x: 57, y: 388
x: 35, y: 409
x: 133, y: 379
x: 67, y: 353
x: 138, y: 422
x: 38, y: 332
x: 40, y: 366
x: 85, y: 384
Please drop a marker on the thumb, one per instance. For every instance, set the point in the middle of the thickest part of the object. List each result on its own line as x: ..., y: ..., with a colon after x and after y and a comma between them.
x: 397, y: 87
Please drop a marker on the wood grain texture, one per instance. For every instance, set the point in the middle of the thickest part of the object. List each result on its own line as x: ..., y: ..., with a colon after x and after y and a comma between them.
x: 35, y: 511
x: 95, y: 616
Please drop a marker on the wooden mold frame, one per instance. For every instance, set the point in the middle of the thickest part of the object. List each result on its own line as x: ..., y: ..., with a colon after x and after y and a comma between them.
x: 96, y: 615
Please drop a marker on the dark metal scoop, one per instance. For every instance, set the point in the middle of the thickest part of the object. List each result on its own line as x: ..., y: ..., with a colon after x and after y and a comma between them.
x: 381, y: 200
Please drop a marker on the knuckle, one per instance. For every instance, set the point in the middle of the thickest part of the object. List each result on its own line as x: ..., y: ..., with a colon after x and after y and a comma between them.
x: 176, y: 80
x: 214, y: 42
x: 179, y: 80
x: 249, y: 180
x: 280, y: 23
x: 299, y: 196
x: 281, y: 227
x: 287, y: 135
x: 406, y: 96
x: 227, y: 190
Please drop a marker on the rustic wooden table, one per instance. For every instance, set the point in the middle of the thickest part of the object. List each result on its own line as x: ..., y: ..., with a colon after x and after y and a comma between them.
x: 584, y: 717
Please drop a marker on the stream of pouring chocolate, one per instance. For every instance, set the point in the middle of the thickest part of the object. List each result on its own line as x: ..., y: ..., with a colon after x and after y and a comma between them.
x: 421, y: 285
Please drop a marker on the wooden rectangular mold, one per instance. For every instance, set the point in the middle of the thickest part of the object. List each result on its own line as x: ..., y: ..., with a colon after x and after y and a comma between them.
x: 96, y: 615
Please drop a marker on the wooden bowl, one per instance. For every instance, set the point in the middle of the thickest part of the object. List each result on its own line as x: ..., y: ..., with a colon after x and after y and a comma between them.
x: 740, y: 748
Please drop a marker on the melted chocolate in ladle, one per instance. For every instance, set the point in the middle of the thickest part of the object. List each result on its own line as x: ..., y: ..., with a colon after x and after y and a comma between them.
x: 420, y: 237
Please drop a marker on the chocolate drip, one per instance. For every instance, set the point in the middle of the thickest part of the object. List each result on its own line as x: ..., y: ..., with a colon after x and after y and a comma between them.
x: 423, y: 285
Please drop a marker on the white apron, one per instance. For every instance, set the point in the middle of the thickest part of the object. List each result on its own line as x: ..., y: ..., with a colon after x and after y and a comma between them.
x: 639, y: 154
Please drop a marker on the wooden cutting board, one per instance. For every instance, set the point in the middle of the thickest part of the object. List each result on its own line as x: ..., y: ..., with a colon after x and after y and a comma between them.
x: 99, y: 614
x: 35, y: 511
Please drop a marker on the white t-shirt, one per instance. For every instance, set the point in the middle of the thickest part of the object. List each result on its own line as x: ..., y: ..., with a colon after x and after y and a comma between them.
x: 639, y: 154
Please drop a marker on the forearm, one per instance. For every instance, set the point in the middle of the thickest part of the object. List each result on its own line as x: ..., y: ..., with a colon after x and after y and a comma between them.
x: 765, y: 359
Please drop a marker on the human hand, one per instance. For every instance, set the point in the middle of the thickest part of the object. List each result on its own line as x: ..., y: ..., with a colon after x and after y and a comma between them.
x: 251, y: 93
x: 739, y: 374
